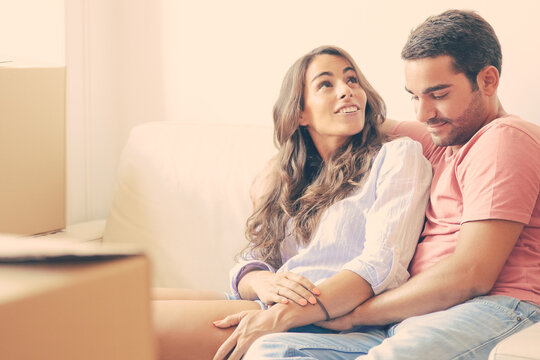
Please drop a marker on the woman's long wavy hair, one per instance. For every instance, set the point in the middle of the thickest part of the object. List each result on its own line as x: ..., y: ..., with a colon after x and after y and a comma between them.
x: 302, y: 186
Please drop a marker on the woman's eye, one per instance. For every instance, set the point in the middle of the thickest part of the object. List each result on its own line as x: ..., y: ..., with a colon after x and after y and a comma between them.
x: 353, y: 79
x: 325, y: 84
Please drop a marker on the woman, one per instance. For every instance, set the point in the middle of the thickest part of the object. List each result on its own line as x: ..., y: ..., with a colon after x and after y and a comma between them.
x: 336, y: 220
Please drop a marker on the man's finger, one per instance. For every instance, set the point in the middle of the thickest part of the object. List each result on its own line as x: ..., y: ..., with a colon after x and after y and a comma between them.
x: 226, y: 348
x: 239, y: 351
x: 231, y: 320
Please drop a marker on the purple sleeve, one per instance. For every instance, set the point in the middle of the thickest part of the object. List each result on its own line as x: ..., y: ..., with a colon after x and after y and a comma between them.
x: 242, y: 268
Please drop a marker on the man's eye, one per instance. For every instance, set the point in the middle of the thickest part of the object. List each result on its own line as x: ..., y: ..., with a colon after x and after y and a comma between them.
x: 438, y: 96
x: 414, y: 97
x: 325, y: 84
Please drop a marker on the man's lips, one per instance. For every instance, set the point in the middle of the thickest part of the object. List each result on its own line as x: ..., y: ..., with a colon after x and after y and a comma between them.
x: 437, y: 124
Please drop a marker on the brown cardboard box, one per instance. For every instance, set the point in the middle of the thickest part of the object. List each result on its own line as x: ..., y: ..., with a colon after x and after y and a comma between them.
x: 89, y: 310
x: 32, y: 148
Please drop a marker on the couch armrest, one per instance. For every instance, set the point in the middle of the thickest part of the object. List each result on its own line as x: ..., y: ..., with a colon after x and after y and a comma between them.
x: 525, y: 345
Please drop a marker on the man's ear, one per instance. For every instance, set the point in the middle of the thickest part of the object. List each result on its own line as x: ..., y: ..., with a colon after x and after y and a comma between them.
x: 488, y: 80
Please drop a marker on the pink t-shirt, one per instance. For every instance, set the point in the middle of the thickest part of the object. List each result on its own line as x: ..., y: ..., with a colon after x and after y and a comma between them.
x: 496, y: 175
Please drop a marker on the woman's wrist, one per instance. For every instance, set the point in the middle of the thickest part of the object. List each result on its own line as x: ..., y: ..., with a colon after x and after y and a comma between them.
x: 245, y: 285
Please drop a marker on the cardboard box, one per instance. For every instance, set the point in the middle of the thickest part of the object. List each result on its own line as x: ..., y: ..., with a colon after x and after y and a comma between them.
x: 32, y: 148
x: 89, y: 310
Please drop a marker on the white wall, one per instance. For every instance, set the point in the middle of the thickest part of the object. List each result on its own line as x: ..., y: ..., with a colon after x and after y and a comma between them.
x: 33, y: 30
x: 114, y: 82
x: 131, y: 61
x: 225, y: 60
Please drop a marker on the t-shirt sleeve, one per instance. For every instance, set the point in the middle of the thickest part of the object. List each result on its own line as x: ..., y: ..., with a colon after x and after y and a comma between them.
x: 498, y: 171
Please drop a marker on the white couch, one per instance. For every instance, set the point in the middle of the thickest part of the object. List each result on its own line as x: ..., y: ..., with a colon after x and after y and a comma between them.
x: 182, y: 193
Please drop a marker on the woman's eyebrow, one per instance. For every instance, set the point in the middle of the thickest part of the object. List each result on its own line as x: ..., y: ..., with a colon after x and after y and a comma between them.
x: 348, y: 68
x: 322, y: 74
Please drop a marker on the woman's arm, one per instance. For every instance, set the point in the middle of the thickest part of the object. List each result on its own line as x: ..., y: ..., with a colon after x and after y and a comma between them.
x: 254, y: 279
x: 395, y: 219
x: 339, y: 294
x: 401, y: 196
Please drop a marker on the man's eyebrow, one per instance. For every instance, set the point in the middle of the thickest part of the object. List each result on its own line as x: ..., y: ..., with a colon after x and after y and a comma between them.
x: 348, y: 68
x: 436, y: 88
x: 431, y: 89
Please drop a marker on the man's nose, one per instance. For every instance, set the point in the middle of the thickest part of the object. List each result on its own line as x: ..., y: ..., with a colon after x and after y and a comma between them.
x: 425, y: 111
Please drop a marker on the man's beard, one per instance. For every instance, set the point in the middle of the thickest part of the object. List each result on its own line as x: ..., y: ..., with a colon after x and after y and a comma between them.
x: 468, y: 124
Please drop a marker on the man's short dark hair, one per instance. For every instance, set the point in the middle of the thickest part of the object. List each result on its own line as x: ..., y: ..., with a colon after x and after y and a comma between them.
x: 463, y: 35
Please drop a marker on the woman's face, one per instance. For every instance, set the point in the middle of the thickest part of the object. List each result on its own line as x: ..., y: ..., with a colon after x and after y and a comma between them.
x: 334, y: 103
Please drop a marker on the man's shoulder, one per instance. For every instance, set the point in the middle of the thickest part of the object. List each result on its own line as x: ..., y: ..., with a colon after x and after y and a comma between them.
x: 508, y: 139
x: 513, y: 125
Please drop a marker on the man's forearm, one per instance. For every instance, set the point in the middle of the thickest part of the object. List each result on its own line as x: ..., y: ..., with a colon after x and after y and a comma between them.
x: 339, y: 295
x: 451, y: 281
x: 387, y: 126
x: 437, y: 289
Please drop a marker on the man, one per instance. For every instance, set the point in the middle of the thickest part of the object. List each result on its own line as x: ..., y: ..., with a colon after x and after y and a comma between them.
x: 475, y: 277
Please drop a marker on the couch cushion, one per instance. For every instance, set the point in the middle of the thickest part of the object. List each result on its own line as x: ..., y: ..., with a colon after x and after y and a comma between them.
x: 183, y: 194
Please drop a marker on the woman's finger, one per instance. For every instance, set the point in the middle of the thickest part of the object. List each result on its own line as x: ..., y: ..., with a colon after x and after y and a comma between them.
x: 303, y: 281
x: 276, y: 298
x: 298, y: 292
x: 294, y: 296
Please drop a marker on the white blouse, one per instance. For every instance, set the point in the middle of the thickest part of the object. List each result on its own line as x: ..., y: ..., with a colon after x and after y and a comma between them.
x: 373, y: 232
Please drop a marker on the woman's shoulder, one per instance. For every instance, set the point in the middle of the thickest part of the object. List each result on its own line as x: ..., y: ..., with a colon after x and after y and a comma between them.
x: 401, y: 146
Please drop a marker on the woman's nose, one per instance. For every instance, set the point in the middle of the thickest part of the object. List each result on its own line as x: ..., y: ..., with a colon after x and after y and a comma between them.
x: 344, y: 91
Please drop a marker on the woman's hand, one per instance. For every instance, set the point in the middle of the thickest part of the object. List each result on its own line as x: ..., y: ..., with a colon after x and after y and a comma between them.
x: 252, y: 324
x: 273, y: 288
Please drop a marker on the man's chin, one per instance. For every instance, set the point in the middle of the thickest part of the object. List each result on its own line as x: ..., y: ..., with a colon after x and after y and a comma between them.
x: 437, y: 140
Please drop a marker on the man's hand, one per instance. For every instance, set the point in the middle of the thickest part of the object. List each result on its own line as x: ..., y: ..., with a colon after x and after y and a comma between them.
x: 342, y: 323
x: 251, y: 325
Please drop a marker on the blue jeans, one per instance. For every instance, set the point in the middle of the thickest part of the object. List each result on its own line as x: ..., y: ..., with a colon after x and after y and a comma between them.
x: 465, y: 331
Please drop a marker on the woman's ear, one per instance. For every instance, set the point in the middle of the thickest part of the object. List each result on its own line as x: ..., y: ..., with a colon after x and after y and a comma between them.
x: 303, y: 121
x: 488, y: 80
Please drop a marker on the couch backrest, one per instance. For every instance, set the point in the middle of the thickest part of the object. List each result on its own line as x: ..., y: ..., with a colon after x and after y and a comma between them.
x: 183, y: 194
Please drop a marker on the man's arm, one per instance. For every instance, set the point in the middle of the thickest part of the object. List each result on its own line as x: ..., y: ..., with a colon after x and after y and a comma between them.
x: 482, y: 250
x: 387, y: 126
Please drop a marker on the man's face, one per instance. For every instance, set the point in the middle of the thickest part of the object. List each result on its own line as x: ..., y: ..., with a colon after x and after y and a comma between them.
x: 444, y: 100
